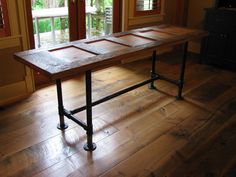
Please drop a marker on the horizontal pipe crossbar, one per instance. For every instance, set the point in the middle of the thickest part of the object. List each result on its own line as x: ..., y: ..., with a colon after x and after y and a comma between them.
x: 121, y: 92
x: 79, y: 122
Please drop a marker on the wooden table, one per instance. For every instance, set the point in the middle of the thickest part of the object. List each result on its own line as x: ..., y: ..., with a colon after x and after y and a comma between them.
x: 84, y: 56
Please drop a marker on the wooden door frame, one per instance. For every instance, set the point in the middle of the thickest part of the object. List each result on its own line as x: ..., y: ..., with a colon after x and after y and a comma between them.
x: 77, y: 20
x: 5, y: 31
x: 30, y: 23
x: 117, y: 15
x: 181, y: 15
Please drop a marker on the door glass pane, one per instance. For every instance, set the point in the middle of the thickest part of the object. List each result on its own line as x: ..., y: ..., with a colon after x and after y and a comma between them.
x: 145, y: 5
x: 50, y: 21
x: 98, y: 17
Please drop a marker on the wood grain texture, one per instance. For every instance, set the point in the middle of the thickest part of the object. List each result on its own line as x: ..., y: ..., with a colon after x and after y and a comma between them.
x: 72, y: 54
x: 110, y: 51
x: 107, y: 46
x: 134, y: 40
x: 158, y: 35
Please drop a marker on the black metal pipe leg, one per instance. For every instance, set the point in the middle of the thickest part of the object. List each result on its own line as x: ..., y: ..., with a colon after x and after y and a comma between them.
x: 182, y: 72
x: 153, y: 71
x: 89, y: 146
x: 62, y: 125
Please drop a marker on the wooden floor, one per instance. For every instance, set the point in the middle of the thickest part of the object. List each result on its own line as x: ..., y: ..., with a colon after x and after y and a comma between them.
x: 146, y: 133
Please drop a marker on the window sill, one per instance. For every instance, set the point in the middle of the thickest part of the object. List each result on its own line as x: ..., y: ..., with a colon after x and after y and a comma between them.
x: 145, y: 19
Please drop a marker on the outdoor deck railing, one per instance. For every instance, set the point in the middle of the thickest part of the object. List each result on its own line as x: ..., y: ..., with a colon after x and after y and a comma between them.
x: 55, y: 13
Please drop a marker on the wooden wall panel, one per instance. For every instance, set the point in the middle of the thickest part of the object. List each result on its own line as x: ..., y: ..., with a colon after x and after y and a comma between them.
x: 15, y: 79
x: 130, y: 21
x: 12, y: 71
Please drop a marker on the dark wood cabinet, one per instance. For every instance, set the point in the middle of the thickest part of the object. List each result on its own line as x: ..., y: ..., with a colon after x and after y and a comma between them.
x: 219, y: 48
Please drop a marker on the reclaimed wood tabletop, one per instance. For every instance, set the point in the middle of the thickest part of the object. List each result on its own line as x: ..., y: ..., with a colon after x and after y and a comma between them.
x: 71, y: 58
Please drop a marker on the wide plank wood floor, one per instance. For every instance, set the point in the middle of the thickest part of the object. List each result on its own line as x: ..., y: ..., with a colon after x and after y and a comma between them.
x: 145, y: 133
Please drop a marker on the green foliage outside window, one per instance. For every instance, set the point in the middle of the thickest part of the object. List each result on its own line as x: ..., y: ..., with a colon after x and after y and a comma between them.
x: 38, y: 4
x: 62, y: 23
x: 45, y: 25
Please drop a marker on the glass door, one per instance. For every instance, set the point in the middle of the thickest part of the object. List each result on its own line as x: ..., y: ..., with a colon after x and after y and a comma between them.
x: 102, y: 17
x: 99, y: 17
x: 58, y: 21
x: 50, y: 22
